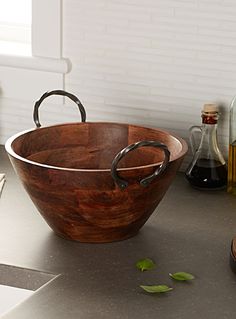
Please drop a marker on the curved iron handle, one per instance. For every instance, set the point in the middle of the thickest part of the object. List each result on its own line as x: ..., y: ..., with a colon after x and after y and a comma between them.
x: 147, y: 180
x: 57, y: 92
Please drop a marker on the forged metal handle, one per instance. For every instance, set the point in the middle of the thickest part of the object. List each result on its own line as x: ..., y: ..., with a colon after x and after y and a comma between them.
x: 147, y: 180
x: 57, y: 92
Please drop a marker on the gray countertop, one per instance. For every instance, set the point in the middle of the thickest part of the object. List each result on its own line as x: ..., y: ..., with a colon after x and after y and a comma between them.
x: 190, y: 231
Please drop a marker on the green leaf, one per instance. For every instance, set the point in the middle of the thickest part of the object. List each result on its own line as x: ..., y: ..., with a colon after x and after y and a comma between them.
x: 182, y: 276
x: 156, y: 289
x: 145, y: 264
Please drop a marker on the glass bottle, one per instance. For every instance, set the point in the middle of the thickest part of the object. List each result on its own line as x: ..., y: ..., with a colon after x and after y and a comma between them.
x: 207, y: 169
x: 231, y: 184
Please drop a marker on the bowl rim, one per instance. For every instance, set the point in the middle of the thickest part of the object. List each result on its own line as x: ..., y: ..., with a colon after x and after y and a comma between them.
x: 11, y: 152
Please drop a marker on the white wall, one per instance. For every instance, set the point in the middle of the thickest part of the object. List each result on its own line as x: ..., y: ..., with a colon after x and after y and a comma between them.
x: 150, y: 62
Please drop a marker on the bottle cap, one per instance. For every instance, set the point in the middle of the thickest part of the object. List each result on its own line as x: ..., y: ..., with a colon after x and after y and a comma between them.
x: 210, y: 108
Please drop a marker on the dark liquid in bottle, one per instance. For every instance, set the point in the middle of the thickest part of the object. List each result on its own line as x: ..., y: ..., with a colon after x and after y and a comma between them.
x: 208, y: 174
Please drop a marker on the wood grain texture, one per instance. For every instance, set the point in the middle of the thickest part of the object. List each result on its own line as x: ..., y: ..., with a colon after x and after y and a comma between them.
x: 66, y: 171
x: 233, y: 255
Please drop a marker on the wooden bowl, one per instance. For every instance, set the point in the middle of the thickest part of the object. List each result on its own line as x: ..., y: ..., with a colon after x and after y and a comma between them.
x: 96, y: 182
x: 233, y: 255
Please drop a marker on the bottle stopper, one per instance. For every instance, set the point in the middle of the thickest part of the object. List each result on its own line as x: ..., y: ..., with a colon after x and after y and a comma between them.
x: 210, y: 108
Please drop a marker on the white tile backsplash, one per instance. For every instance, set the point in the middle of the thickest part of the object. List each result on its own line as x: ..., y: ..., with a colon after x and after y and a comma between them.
x: 150, y: 62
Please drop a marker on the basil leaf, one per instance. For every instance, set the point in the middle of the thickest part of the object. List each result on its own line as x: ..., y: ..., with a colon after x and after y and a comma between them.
x: 156, y: 289
x: 145, y: 264
x: 182, y: 276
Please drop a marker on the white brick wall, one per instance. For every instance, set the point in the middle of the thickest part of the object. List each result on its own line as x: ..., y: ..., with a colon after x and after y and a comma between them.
x: 150, y: 62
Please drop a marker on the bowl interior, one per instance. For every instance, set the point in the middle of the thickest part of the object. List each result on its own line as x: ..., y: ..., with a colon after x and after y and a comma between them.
x: 94, y: 145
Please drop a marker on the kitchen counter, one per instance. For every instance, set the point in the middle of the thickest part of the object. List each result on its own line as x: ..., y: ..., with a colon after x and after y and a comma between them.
x: 190, y: 231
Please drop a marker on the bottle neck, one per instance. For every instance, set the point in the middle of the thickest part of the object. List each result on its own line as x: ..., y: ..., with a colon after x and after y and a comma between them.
x: 209, y: 121
x: 209, y: 126
x: 210, y: 118
x: 209, y: 136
